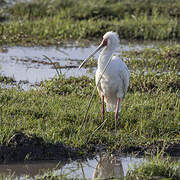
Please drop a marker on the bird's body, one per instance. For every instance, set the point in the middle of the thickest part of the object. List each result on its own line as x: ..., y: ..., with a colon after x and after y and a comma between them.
x: 113, y: 83
x: 112, y: 75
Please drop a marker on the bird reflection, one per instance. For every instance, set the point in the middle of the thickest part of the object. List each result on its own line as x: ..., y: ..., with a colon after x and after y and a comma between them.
x: 109, y: 166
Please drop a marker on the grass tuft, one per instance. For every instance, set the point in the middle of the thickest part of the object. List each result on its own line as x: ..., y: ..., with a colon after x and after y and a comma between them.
x: 155, y: 168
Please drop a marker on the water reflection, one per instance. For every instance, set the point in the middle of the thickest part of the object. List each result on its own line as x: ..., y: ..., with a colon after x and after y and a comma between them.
x: 104, y: 166
x: 109, y: 166
x: 31, y: 169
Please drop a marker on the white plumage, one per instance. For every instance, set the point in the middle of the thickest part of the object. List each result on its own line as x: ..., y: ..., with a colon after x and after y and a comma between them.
x: 114, y: 82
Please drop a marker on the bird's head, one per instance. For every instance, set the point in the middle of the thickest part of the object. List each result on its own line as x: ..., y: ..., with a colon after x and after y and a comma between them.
x: 110, y: 41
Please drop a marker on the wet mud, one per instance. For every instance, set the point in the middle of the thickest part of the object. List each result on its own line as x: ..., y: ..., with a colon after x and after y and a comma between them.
x: 170, y: 149
x: 22, y: 147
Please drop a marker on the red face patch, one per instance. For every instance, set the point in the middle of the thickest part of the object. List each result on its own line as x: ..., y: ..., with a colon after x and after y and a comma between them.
x: 105, y: 42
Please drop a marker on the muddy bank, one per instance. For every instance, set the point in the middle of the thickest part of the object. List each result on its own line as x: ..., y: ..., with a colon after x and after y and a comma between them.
x: 171, y: 149
x: 22, y: 147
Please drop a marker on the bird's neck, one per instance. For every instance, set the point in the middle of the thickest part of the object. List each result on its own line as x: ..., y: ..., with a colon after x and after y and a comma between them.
x: 104, y: 58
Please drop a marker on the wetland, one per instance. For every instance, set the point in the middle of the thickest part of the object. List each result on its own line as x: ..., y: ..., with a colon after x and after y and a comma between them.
x: 44, y: 97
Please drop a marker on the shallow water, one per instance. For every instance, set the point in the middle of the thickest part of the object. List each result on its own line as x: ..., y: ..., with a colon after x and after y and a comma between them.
x: 28, y: 64
x: 104, y: 166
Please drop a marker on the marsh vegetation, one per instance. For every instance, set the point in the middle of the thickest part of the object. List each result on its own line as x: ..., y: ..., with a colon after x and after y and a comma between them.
x: 54, y: 112
x: 52, y: 22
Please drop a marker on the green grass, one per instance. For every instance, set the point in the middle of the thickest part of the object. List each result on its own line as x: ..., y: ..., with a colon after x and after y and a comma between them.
x: 149, y: 118
x: 162, y: 59
x: 51, y: 22
x: 90, y: 9
x: 55, y: 111
x: 157, y: 167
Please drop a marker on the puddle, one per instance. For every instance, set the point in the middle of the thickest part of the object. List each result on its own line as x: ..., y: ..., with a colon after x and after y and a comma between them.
x: 104, y: 166
x: 29, y: 64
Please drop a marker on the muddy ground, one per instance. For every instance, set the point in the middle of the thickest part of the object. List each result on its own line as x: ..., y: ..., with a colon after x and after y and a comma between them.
x: 27, y: 148
x: 22, y: 147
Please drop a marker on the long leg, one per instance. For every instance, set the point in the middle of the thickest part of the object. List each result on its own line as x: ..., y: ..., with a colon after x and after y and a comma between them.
x: 116, y: 112
x: 103, y: 108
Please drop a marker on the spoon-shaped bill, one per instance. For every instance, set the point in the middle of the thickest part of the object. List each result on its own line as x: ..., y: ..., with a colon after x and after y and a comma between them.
x: 94, y: 52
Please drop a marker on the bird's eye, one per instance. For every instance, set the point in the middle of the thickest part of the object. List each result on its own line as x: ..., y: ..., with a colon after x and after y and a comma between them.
x: 105, y: 42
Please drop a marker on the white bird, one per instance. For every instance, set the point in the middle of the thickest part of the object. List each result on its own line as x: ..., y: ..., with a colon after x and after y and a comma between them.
x: 112, y: 84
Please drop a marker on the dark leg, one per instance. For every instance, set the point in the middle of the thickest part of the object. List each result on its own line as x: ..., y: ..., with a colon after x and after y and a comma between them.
x: 116, y: 112
x: 103, y: 108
